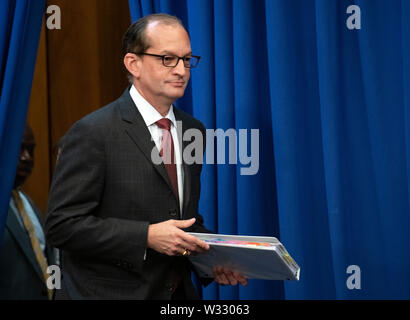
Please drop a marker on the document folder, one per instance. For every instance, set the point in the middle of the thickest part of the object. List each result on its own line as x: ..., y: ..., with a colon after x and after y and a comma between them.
x: 254, y: 257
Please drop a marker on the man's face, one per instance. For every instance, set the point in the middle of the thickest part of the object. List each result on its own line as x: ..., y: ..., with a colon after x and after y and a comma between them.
x: 159, y: 84
x: 26, y: 157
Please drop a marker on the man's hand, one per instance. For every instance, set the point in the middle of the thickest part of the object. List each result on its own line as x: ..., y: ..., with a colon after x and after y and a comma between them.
x: 168, y: 238
x: 225, y: 276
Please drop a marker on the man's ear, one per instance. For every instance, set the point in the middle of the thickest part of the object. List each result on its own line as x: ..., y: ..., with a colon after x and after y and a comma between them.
x: 133, y: 64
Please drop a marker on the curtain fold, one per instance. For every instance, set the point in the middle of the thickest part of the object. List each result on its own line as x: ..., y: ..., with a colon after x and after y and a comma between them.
x: 20, y: 26
x: 332, y: 109
x: 225, y: 119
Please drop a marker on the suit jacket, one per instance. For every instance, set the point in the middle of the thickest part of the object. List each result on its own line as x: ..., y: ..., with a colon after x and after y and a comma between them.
x: 106, y: 191
x: 20, y: 274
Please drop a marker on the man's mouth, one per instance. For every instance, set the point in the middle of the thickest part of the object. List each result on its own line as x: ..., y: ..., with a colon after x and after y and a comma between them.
x: 177, y: 83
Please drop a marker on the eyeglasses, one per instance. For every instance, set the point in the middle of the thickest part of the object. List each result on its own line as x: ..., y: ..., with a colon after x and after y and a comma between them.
x: 172, y: 61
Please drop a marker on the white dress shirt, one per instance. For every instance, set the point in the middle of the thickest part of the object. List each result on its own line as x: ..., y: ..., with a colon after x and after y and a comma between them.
x: 151, y: 116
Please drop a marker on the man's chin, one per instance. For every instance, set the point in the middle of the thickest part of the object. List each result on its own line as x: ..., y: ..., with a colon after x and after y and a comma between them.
x: 176, y: 93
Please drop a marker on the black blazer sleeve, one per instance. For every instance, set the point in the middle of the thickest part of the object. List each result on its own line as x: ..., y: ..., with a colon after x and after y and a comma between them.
x: 76, y: 193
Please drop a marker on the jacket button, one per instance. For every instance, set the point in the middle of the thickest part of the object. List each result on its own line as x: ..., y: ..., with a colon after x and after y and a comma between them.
x: 173, y: 212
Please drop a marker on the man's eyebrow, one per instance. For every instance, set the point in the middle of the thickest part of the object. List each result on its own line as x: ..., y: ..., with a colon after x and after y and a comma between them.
x: 166, y: 52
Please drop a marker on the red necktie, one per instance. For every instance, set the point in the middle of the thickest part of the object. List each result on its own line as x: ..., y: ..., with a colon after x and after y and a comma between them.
x: 167, y: 153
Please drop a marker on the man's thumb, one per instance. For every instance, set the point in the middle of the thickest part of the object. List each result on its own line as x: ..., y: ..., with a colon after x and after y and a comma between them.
x: 184, y: 223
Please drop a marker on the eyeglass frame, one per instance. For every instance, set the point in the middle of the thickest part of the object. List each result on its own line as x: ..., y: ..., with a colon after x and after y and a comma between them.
x: 170, y: 55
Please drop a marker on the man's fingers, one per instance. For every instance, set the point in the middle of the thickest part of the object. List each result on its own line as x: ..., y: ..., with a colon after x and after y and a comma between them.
x: 193, y: 247
x: 200, y: 246
x: 182, y: 224
x: 220, y: 276
x: 225, y: 276
x: 189, y: 242
x: 232, y: 280
x: 229, y: 276
x: 195, y: 244
x: 222, y: 279
x: 242, y: 280
x: 188, y: 246
x: 168, y: 237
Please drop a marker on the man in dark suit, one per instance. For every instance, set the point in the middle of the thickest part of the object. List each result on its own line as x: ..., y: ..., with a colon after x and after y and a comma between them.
x: 116, y: 213
x: 24, y: 254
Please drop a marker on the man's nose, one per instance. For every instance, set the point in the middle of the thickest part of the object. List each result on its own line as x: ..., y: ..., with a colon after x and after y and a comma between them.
x: 180, y: 68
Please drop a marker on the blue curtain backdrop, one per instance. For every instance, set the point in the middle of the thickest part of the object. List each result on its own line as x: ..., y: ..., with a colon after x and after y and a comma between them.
x: 20, y: 26
x: 332, y: 106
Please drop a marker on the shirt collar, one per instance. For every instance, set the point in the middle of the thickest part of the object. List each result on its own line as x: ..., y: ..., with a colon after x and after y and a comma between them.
x: 148, y: 112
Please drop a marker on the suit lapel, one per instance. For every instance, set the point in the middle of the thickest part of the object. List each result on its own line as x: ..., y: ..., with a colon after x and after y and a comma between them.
x: 20, y: 235
x: 185, y: 167
x: 137, y: 130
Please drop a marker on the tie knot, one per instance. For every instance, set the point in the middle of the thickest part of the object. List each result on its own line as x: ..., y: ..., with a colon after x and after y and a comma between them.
x: 164, y: 123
